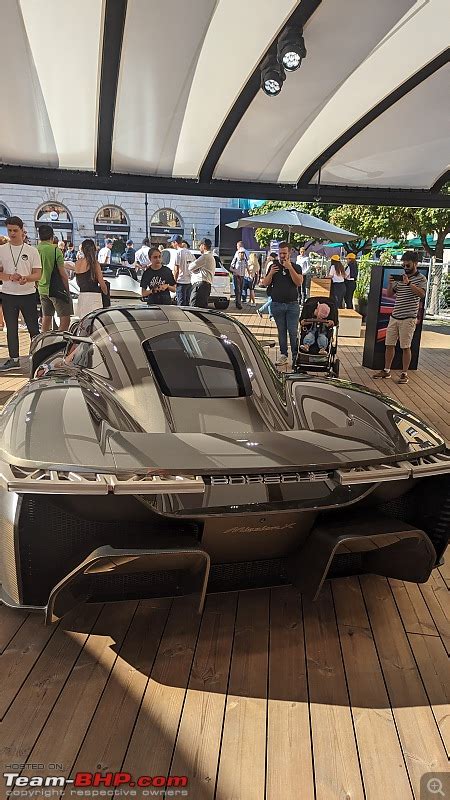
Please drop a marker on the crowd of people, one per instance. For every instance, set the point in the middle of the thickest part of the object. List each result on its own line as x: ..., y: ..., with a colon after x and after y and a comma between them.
x: 36, y: 278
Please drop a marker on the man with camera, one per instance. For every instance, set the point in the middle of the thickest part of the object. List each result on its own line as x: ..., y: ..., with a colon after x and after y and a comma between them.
x: 282, y: 282
x: 408, y: 291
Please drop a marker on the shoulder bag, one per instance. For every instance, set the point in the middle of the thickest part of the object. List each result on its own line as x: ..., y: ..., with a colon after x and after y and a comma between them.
x: 56, y: 287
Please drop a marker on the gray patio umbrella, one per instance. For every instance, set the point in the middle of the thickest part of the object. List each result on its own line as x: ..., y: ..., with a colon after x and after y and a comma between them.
x: 296, y: 222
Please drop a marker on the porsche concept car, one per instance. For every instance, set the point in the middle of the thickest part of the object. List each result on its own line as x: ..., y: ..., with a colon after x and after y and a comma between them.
x: 157, y: 451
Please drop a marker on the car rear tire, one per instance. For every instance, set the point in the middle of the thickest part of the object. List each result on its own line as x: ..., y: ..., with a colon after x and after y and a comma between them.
x: 221, y: 304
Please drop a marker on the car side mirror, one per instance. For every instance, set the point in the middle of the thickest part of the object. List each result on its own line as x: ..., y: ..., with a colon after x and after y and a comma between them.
x: 70, y: 337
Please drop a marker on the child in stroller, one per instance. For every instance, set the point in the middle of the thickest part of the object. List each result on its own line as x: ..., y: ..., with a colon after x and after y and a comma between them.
x: 319, y: 324
x: 318, y: 328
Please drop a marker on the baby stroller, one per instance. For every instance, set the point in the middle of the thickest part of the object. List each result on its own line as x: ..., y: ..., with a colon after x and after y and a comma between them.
x: 313, y: 361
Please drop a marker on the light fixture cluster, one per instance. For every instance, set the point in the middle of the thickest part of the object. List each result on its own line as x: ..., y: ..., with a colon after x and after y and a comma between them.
x: 291, y: 51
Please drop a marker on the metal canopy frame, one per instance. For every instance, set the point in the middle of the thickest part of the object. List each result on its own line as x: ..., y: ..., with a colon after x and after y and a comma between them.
x: 122, y: 182
x: 103, y: 179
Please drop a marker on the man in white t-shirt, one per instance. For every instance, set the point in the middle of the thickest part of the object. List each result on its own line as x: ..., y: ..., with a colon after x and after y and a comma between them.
x: 104, y: 254
x: 142, y: 259
x: 202, y: 273
x: 181, y: 272
x: 303, y: 262
x: 20, y: 268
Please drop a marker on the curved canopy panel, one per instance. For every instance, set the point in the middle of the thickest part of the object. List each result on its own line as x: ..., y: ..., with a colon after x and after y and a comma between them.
x: 166, y: 96
x: 50, y: 91
x: 411, y: 138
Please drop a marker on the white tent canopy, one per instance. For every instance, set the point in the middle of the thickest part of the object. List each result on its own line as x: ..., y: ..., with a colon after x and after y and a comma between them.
x: 165, y: 96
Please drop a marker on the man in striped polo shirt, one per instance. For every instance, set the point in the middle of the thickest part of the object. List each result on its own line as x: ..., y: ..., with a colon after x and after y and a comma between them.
x: 408, y: 292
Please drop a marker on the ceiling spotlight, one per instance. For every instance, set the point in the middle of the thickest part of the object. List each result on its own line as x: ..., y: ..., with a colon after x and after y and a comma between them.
x: 272, y: 76
x: 291, y: 49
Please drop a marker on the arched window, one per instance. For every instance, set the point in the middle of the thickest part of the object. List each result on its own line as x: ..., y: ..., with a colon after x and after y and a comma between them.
x: 111, y: 222
x: 111, y: 216
x: 165, y: 222
x: 59, y: 217
x: 4, y: 214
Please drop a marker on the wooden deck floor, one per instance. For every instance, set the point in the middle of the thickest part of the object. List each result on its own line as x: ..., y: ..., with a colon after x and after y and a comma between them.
x: 265, y: 695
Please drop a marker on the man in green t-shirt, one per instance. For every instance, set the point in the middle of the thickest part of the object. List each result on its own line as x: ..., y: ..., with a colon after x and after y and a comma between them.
x: 52, y: 258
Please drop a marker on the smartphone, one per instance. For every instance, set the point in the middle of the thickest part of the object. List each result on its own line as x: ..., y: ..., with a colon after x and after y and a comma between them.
x: 396, y: 278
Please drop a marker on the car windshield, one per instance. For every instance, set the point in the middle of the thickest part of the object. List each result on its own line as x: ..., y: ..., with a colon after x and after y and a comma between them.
x: 197, y: 365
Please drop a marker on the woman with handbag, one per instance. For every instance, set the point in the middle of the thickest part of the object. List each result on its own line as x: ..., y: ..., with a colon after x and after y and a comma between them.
x: 90, y: 280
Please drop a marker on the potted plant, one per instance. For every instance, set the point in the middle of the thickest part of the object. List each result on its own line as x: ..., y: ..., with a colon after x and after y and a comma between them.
x: 363, y: 284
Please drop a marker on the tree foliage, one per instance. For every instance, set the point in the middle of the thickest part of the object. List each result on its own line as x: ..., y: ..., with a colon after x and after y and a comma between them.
x: 396, y: 222
x: 265, y: 235
x: 368, y: 222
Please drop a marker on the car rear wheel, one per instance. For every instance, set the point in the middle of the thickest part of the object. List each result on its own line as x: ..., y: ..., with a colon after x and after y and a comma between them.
x: 221, y: 304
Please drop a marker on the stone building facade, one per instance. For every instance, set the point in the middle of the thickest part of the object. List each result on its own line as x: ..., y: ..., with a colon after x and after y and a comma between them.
x: 77, y: 214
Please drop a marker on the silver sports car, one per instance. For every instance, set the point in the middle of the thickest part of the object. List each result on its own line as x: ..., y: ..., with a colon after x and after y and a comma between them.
x: 156, y: 451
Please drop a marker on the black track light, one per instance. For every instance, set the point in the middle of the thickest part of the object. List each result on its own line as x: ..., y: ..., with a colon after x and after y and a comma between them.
x: 272, y: 76
x: 291, y: 49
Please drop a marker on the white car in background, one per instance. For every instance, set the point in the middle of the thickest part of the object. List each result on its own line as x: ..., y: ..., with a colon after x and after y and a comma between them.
x: 123, y: 282
x: 220, y: 289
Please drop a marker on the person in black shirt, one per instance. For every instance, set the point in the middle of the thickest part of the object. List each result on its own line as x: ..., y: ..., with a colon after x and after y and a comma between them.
x: 157, y: 281
x: 129, y: 255
x: 350, y: 282
x: 283, y: 280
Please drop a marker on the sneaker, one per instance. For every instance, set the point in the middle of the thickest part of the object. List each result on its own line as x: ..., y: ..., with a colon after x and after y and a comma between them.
x: 383, y: 373
x: 305, y: 348
x: 281, y: 361
x: 10, y: 363
x: 403, y: 378
x: 259, y: 313
x: 322, y: 351
x: 271, y: 319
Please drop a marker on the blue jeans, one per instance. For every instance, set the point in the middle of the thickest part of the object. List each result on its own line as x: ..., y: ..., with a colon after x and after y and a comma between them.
x: 267, y: 306
x: 183, y: 294
x: 322, y: 339
x: 286, y: 317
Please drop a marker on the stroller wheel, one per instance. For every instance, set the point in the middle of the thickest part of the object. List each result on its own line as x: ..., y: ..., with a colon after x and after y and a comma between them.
x: 336, y: 367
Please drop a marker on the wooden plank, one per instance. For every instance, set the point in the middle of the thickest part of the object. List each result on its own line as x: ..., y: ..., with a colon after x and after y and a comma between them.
x: 372, y: 715
x: 242, y: 758
x: 433, y: 664
x: 444, y: 569
x: 419, y: 735
x: 20, y: 655
x: 412, y: 608
x: 113, y: 720
x: 26, y: 717
x: 289, y: 754
x: 73, y: 710
x: 152, y: 742
x: 437, y: 598
x: 11, y: 619
x: 198, y: 742
x: 336, y: 763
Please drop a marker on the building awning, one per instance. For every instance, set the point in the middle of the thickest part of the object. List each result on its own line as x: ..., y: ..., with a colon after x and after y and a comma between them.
x: 152, y: 96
